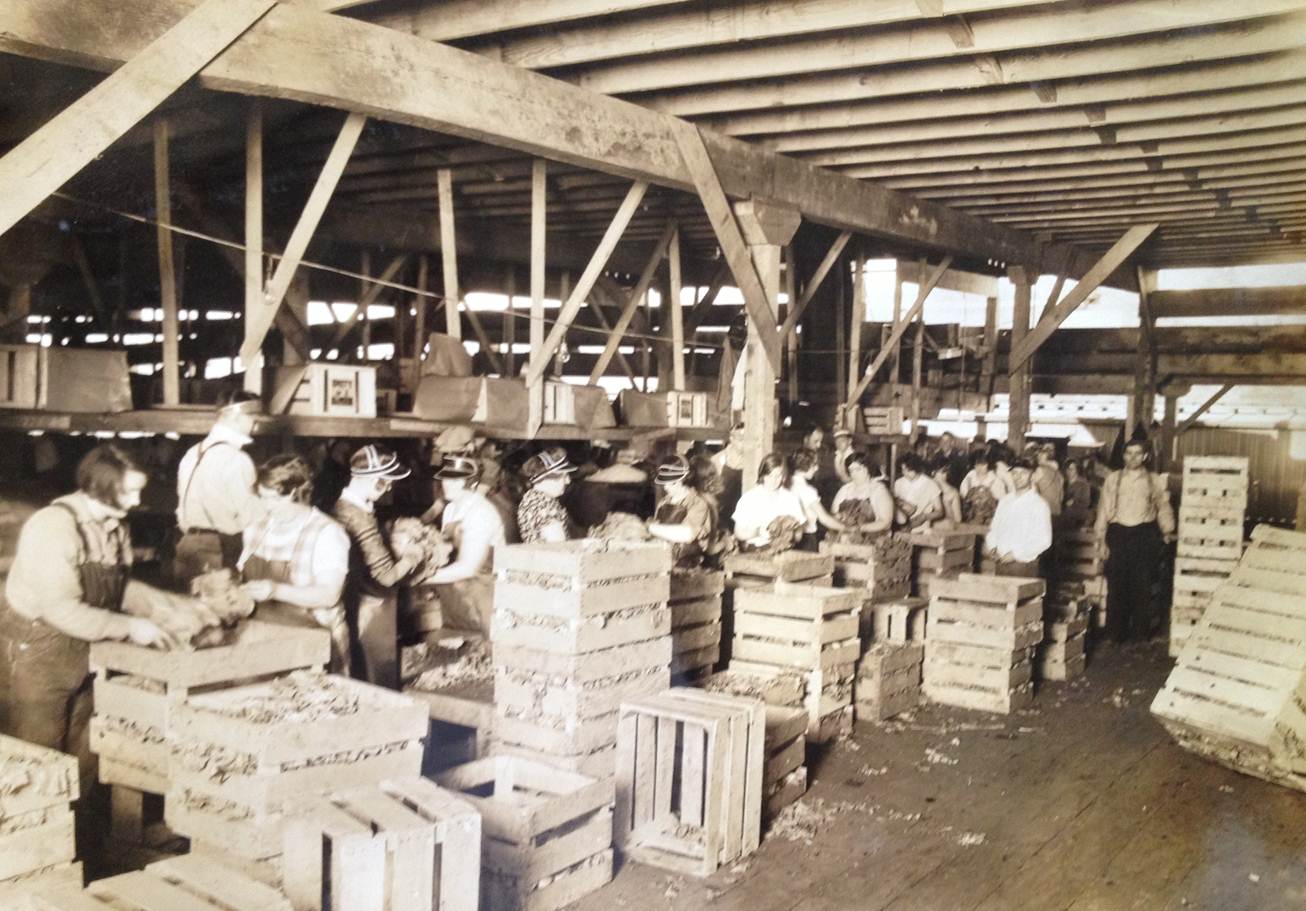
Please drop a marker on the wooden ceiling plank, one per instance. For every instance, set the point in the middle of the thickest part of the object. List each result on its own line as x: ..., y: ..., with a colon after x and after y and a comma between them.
x: 1150, y: 186
x: 1113, y: 259
x: 449, y: 20
x: 1022, y: 29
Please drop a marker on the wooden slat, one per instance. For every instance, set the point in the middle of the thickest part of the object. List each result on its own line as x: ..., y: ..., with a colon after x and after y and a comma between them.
x: 814, y: 284
x: 676, y: 314
x: 449, y: 254
x: 258, y: 322
x: 632, y: 302
x: 167, y: 267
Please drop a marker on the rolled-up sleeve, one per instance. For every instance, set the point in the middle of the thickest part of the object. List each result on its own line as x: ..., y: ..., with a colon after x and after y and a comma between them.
x: 45, y: 581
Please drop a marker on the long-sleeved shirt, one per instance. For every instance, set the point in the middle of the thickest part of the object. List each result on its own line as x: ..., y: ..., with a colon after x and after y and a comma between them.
x: 372, y: 564
x: 45, y: 579
x: 1051, y: 485
x: 216, y: 492
x: 1134, y: 498
x: 1021, y: 528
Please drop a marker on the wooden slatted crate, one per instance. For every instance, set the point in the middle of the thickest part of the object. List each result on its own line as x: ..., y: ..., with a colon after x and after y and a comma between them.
x: 403, y: 844
x: 1212, y: 510
x: 1235, y: 695
x: 789, y: 566
x: 884, y: 420
x: 690, y: 779
x: 888, y: 680
x: 897, y: 620
x: 696, y: 629
x: 1061, y: 655
x: 134, y: 688
x: 881, y: 568
x: 980, y: 642
x: 939, y: 553
x: 546, y: 833
x: 238, y: 754
x: 36, y: 817
x: 185, y: 883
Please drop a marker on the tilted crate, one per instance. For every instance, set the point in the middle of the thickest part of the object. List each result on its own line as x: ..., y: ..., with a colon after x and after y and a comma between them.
x: 1212, y: 510
x: 578, y: 627
x: 690, y: 779
x: 403, y: 844
x: 546, y: 833
x: 135, y: 686
x: 1235, y: 694
x: 37, y: 788
x: 888, y: 680
x: 882, y: 568
x: 239, y: 754
x: 980, y: 641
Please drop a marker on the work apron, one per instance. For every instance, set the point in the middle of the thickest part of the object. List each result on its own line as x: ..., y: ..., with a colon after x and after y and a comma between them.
x: 331, y: 619
x: 46, y: 697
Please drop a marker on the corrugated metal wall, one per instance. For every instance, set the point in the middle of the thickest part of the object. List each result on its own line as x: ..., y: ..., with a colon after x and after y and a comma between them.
x: 1276, y: 477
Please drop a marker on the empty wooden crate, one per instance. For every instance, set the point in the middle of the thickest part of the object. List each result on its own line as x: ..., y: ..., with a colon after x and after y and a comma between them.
x: 37, y: 788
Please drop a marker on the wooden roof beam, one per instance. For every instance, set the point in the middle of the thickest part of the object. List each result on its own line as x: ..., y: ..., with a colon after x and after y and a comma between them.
x: 1151, y: 186
x: 1037, y: 61
x: 453, y: 19
x: 1275, y: 301
x: 1039, y: 27
x: 338, y: 62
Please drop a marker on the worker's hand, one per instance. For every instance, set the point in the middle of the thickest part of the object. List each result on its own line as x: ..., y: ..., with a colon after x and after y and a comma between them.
x: 149, y: 634
x: 406, y: 564
x: 259, y: 589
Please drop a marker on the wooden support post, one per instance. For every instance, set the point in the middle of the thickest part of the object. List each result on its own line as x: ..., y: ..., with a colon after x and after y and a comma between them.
x: 703, y: 306
x: 1144, y: 400
x: 19, y: 307
x: 809, y: 290
x: 858, y: 320
x: 258, y: 322
x: 602, y: 294
x: 1018, y: 374
x: 89, y: 282
x: 361, y: 314
x: 419, y: 322
x: 675, y: 315
x: 636, y: 294
x: 841, y: 378
x: 50, y: 157
x: 899, y: 329
x: 509, y: 320
x: 449, y: 255
x: 1191, y: 420
x: 593, y: 269
x: 370, y: 292
x: 895, y: 363
x: 917, y: 365
x: 295, y: 351
x: 1166, y: 456
x: 253, y: 240
x: 1101, y: 270
x: 989, y: 367
x: 766, y: 231
x: 539, y: 202
x: 790, y: 338
x: 167, y: 269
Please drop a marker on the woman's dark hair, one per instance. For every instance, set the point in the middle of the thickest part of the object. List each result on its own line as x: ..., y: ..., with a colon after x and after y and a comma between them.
x: 983, y: 457
x: 286, y: 474
x: 703, y: 474
x: 856, y: 457
x: 804, y: 460
x: 940, y: 463
x: 101, y: 471
x: 770, y: 463
x: 911, y: 462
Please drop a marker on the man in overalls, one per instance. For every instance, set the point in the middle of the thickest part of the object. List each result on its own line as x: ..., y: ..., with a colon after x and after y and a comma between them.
x: 69, y: 587
x: 216, y: 500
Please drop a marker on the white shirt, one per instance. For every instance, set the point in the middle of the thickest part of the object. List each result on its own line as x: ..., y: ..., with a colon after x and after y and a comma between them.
x: 921, y: 492
x: 993, y: 481
x: 759, y: 507
x: 220, y: 495
x: 474, y: 526
x: 1021, y: 528
x: 808, y: 498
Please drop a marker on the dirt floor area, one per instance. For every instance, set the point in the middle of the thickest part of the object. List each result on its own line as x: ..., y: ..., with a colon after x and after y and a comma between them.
x: 1080, y: 804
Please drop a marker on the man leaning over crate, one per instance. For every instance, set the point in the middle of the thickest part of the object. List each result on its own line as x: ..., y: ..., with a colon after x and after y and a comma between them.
x: 216, y: 499
x: 1134, y: 519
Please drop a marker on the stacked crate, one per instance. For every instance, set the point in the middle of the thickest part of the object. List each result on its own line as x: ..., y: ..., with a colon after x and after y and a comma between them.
x: 37, y: 788
x: 579, y: 627
x: 1212, y: 509
x: 457, y: 687
x: 750, y: 570
x: 813, y: 630
x: 186, y: 882
x: 135, y: 689
x: 238, y: 755
x: 546, y: 833
x: 888, y: 680
x: 1079, y: 570
x: 882, y: 568
x: 689, y: 779
x: 980, y: 642
x: 403, y: 844
x: 1061, y: 655
x: 695, y: 622
x: 939, y: 554
x: 784, y: 775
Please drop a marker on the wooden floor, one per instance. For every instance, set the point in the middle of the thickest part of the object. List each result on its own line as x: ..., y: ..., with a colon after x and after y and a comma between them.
x: 1080, y: 804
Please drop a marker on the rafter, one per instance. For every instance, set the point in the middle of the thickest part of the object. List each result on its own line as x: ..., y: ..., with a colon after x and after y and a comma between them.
x: 632, y: 302
x: 814, y: 284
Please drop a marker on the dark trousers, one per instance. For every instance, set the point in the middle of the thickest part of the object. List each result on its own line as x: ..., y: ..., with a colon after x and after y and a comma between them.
x: 1131, y: 567
x: 1015, y: 568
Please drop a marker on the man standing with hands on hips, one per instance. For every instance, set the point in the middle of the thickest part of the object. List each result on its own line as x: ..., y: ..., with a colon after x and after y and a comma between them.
x: 1134, y: 520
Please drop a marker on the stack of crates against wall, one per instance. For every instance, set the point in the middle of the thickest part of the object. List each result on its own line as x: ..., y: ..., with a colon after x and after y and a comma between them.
x: 1212, y: 509
x: 784, y: 775
x: 238, y: 755
x: 810, y: 629
x: 1061, y: 655
x: 402, y: 844
x: 980, y: 641
x: 37, y: 788
x: 881, y: 568
x: 1079, y: 570
x: 939, y: 554
x: 578, y: 628
x: 188, y: 882
x: 695, y: 622
x: 135, y: 688
x: 546, y: 834
x: 689, y: 780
